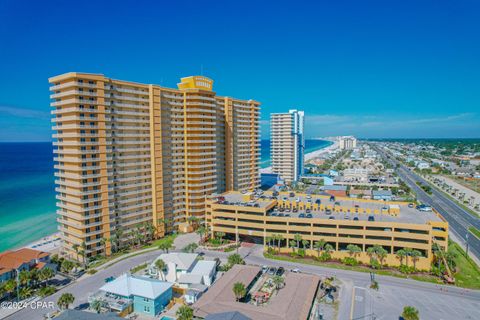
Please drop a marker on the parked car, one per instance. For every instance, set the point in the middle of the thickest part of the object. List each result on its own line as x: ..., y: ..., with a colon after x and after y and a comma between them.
x: 307, y: 210
x: 328, y: 211
x: 301, y: 215
x: 331, y: 218
x: 271, y: 271
x: 355, y: 219
x: 292, y: 194
x: 318, y: 201
x: 279, y: 271
x: 287, y: 214
x: 309, y: 215
x: 410, y: 205
x: 264, y: 269
x: 295, y: 270
x: 371, y: 218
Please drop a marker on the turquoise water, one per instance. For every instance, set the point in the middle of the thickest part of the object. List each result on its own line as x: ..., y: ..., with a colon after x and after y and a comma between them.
x: 27, y: 194
x: 310, y: 146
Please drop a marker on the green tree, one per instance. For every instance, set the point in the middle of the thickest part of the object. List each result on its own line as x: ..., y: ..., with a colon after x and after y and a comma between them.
x: 165, y: 244
x: 353, y: 249
x: 103, y: 244
x: 278, y: 281
x: 24, y: 277
x: 220, y: 235
x: 306, y: 244
x: 235, y: 259
x: 319, y: 245
x: 292, y: 244
x: 239, y: 290
x: 184, y: 313
x: 415, y: 254
x: 10, y: 286
x: 410, y: 313
x: 96, y: 305
x: 25, y: 292
x: 279, y: 238
x: 297, y: 239
x: 401, y: 254
x: 45, y: 274
x: 160, y: 265
x: 67, y: 266
x: 76, y: 248
x: 65, y: 300
x: 201, y: 231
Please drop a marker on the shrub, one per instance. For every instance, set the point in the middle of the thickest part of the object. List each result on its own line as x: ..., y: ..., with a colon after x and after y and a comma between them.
x: 406, y: 269
x: 46, y: 291
x: 325, y: 256
x: 349, y: 261
x: 301, y: 252
x: 375, y: 264
x: 92, y: 271
x: 271, y: 251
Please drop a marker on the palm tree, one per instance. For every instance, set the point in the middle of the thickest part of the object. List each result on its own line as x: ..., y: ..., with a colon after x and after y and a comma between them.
x: 45, y: 275
x: 160, y: 265
x: 269, y: 240
x: 10, y: 286
x: 184, y: 313
x: 3, y: 290
x: 235, y: 259
x: 25, y: 292
x: 415, y: 254
x: 221, y: 235
x: 381, y: 254
x: 84, y: 255
x: 65, y: 300
x: 401, y: 254
x: 238, y: 290
x: 103, y: 243
x: 353, y: 249
x: 297, y: 239
x: 96, y: 305
x: 329, y: 248
x: 66, y: 266
x: 279, y: 239
x: 165, y: 245
x: 201, y: 231
x: 277, y: 281
x: 306, y: 244
x: 410, y: 313
x: 319, y: 245
x: 75, y: 248
x: 24, y: 277
x: 372, y: 253
x: 118, y: 233
x: 292, y: 244
x: 408, y: 253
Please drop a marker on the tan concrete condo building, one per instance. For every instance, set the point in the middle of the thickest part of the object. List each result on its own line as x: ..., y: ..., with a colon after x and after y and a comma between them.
x: 127, y: 154
x: 287, y: 144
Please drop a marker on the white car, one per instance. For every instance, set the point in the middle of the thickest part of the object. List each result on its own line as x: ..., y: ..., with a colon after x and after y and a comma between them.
x: 296, y: 270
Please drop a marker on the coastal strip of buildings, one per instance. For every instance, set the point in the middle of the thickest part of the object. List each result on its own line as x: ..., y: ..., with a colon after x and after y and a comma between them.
x: 287, y: 144
x: 128, y: 153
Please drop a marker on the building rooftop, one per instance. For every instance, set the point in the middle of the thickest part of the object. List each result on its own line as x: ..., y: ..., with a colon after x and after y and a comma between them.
x: 14, y: 259
x: 127, y: 285
x: 291, y: 303
x: 204, y: 267
x: 406, y: 214
x: 183, y: 260
x: 232, y: 315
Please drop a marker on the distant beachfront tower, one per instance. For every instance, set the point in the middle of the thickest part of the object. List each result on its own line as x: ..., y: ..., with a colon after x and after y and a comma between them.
x: 287, y: 144
x: 347, y: 142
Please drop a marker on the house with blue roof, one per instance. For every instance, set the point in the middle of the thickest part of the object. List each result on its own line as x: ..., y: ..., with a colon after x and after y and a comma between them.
x: 129, y: 293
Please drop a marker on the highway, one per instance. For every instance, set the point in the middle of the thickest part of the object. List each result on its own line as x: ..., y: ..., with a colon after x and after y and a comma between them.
x: 458, y: 218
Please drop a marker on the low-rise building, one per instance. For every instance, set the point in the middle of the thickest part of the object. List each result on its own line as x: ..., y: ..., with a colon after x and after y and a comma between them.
x: 23, y: 259
x: 130, y: 293
x: 336, y: 190
x: 185, y: 269
x: 343, y: 221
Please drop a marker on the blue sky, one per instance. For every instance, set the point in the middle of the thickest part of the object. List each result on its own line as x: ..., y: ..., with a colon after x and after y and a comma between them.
x: 368, y: 68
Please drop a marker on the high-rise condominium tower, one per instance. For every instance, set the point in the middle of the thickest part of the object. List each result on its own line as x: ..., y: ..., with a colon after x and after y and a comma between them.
x: 287, y: 144
x: 127, y: 154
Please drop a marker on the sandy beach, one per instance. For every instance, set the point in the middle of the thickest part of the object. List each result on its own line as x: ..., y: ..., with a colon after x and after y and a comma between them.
x: 49, y: 243
x: 310, y: 155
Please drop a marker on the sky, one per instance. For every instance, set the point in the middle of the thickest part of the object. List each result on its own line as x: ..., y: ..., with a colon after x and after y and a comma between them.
x: 374, y: 69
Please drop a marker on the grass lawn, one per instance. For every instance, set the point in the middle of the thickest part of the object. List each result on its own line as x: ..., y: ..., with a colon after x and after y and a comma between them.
x: 468, y: 274
x: 157, y: 242
x: 360, y: 268
x: 474, y: 231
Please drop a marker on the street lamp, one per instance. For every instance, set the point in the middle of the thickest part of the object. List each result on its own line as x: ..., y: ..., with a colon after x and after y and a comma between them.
x: 466, y: 244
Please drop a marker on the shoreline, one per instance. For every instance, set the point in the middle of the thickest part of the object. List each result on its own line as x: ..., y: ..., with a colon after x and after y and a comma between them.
x: 50, y: 243
x: 310, y: 155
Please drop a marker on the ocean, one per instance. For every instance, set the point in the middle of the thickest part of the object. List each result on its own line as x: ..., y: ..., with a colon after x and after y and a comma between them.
x: 27, y: 190
x: 310, y: 146
x: 27, y: 193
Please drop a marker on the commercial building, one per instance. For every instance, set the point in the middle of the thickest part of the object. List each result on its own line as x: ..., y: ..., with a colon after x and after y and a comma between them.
x: 339, y: 221
x: 293, y: 302
x: 347, y: 142
x: 128, y: 153
x: 129, y: 293
x: 287, y: 144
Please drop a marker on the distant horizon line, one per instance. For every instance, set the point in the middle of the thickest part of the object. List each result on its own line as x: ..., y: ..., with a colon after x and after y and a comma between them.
x: 310, y: 138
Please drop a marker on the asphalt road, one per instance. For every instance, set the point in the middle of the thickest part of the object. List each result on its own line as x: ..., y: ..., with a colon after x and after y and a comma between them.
x: 458, y: 218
